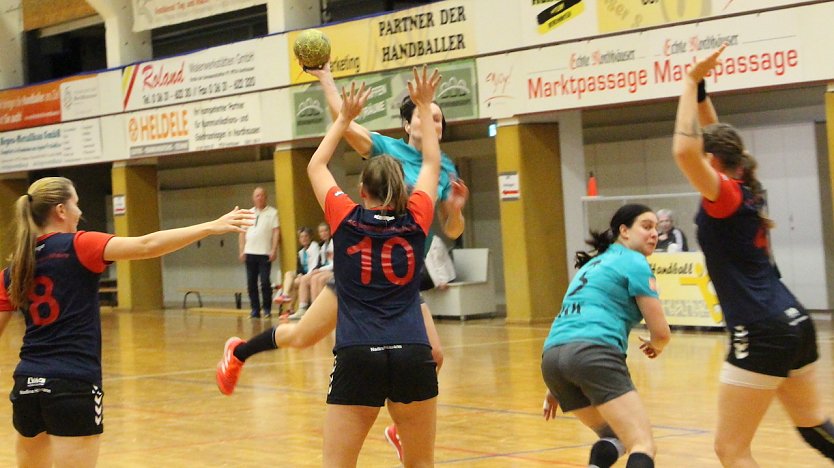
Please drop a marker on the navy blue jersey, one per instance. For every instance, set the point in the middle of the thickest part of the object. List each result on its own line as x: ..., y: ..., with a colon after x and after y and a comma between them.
x: 377, y: 260
x: 63, y: 326
x: 737, y: 253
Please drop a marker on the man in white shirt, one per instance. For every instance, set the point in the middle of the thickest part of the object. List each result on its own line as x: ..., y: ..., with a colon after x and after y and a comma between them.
x: 257, y: 249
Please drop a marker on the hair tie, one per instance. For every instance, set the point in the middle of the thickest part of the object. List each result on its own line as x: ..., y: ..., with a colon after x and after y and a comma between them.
x: 29, y: 196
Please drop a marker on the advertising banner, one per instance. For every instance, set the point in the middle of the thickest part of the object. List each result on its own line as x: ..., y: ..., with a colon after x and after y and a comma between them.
x: 549, y: 21
x: 433, y: 33
x: 686, y: 290
x: 71, y: 98
x: 149, y: 14
x: 80, y: 98
x: 238, y: 68
x: 456, y: 95
x: 767, y: 49
x: 206, y: 125
x: 59, y: 145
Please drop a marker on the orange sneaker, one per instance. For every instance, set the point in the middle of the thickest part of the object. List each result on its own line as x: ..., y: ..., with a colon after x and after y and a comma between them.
x: 229, y: 367
x: 394, y: 439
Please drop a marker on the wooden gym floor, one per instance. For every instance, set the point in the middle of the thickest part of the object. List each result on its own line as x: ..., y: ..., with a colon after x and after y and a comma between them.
x: 162, y: 408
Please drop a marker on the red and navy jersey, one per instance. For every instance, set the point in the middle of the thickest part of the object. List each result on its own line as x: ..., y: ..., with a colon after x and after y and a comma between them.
x: 377, y: 259
x: 63, y: 326
x: 737, y: 253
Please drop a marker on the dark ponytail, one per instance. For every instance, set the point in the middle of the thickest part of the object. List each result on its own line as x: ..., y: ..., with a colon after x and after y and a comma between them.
x: 724, y: 142
x: 600, y: 241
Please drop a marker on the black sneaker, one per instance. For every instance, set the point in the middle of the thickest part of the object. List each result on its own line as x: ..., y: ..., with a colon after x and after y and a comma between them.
x: 267, y: 314
x: 255, y: 314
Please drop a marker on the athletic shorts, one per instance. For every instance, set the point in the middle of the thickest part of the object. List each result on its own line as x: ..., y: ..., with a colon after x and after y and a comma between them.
x: 776, y: 347
x: 59, y: 407
x: 369, y: 375
x: 585, y: 374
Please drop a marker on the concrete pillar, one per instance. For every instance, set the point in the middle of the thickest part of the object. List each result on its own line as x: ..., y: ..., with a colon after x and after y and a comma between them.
x: 294, y: 199
x: 574, y: 179
x: 123, y: 45
x: 12, y: 186
x: 139, y: 281
x: 285, y: 15
x: 11, y: 38
x: 533, y: 223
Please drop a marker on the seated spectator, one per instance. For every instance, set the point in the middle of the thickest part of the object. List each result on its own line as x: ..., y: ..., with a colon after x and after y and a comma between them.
x: 312, y: 284
x: 308, y: 258
x: 669, y: 238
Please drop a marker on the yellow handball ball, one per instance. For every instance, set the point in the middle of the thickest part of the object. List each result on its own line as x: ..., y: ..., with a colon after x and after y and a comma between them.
x: 312, y: 48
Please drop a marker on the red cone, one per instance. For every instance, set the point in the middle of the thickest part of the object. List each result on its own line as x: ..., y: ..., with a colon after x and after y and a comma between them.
x: 592, y: 185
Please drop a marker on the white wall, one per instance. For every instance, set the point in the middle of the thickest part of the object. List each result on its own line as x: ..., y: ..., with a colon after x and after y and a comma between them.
x: 213, y: 262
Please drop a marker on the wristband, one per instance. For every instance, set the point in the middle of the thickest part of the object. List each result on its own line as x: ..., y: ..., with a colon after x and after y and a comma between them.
x: 702, y: 91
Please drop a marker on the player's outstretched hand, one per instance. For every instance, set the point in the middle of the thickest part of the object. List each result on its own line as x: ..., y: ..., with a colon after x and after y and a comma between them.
x: 236, y: 220
x: 549, y: 406
x: 700, y: 69
x: 459, y: 195
x: 650, y: 351
x: 317, y: 72
x: 422, y: 87
x: 354, y: 100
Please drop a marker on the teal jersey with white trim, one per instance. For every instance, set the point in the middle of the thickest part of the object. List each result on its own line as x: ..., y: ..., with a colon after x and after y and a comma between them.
x: 600, y: 305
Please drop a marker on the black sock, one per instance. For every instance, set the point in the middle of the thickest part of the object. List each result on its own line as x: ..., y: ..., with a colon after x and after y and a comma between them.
x: 820, y: 437
x: 258, y: 343
x: 639, y: 460
x: 604, y: 453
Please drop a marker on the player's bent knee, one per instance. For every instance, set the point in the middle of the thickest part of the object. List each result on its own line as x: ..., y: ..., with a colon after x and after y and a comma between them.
x: 728, y: 452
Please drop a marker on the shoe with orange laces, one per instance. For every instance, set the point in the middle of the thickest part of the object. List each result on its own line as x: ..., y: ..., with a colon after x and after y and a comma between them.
x: 229, y: 367
x: 394, y: 439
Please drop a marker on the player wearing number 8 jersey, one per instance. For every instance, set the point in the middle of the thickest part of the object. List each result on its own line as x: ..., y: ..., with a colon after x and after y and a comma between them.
x: 53, y: 279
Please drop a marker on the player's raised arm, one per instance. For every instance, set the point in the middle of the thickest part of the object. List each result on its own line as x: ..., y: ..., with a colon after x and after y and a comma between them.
x: 357, y: 136
x: 320, y: 176
x: 421, y: 89
x: 687, y: 141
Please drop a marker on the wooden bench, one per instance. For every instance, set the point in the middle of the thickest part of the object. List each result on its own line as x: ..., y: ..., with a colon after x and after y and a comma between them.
x: 472, y: 293
x: 198, y: 291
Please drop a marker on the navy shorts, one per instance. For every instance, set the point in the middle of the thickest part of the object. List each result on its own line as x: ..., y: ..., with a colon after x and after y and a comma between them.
x: 60, y: 407
x: 369, y: 375
x: 585, y: 374
x: 775, y: 346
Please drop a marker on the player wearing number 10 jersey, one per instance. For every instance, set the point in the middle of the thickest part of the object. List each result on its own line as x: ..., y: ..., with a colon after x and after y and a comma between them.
x: 380, y: 256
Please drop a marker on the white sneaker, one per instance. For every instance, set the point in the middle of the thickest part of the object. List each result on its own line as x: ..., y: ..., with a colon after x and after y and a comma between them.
x: 298, y: 313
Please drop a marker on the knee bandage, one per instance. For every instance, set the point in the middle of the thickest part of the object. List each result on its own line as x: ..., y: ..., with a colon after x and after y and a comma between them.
x: 606, y: 450
x: 820, y: 437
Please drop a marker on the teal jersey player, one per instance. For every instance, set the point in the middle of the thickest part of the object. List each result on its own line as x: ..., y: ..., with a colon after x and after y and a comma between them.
x: 600, y: 305
x: 411, y: 160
